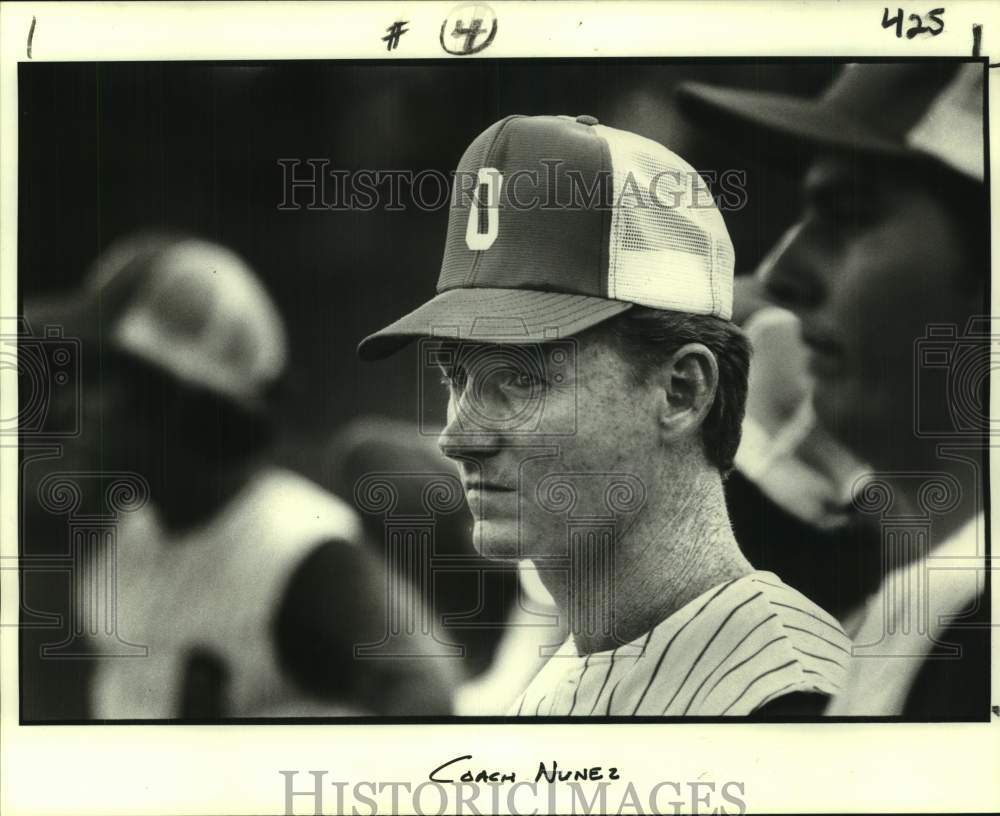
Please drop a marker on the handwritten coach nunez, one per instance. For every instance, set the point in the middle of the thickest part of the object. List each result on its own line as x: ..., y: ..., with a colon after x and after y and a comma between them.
x: 593, y: 373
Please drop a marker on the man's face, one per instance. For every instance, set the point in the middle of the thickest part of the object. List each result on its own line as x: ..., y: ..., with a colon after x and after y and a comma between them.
x: 873, y: 261
x: 545, y: 437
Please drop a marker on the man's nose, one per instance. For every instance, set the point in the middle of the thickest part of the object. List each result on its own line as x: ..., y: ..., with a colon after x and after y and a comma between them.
x: 471, y: 430
x: 792, y: 272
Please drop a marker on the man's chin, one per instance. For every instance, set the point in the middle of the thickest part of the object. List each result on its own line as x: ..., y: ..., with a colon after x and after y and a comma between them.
x: 497, y: 540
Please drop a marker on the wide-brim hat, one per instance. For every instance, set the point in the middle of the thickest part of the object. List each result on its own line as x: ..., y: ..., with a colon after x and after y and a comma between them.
x: 914, y: 110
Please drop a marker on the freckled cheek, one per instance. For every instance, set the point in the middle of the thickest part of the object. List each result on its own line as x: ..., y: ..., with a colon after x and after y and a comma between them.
x: 551, y: 415
x: 606, y: 437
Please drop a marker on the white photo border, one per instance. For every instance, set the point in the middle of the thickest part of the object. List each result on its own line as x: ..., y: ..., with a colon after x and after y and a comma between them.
x: 234, y: 769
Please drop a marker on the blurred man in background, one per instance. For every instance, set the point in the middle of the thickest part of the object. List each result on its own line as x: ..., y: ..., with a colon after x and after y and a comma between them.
x: 889, y: 255
x: 789, y: 495
x: 244, y: 580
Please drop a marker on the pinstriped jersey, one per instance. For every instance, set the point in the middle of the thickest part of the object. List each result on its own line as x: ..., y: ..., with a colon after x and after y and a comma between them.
x: 726, y: 653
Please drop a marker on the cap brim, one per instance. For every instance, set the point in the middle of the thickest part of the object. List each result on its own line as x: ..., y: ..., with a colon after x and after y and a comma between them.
x: 785, y: 118
x: 486, y: 315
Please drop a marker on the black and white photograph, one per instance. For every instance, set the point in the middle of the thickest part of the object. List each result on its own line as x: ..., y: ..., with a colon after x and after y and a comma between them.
x: 524, y: 395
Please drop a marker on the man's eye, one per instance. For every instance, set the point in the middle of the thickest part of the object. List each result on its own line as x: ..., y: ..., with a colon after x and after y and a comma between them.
x: 523, y: 380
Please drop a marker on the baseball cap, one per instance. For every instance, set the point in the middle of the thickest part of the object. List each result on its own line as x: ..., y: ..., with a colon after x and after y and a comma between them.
x: 558, y: 223
x: 187, y: 306
x: 903, y: 110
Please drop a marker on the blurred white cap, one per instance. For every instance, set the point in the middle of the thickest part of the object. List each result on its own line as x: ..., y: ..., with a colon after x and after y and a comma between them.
x: 199, y: 312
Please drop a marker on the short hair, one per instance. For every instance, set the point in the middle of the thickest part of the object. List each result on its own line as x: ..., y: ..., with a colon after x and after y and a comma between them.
x: 647, y: 337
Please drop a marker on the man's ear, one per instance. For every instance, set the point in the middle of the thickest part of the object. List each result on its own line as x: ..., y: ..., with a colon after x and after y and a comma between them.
x: 689, y: 380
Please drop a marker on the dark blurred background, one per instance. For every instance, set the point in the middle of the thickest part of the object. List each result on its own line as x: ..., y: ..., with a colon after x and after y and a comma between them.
x: 106, y: 149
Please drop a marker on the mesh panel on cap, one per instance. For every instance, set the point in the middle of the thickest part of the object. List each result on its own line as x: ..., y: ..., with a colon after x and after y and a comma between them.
x: 664, y: 252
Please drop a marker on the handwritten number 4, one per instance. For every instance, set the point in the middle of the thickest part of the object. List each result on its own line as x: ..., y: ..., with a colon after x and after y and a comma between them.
x: 935, y: 23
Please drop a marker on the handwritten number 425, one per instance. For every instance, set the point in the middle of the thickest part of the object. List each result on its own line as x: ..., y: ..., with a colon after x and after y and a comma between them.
x: 935, y: 25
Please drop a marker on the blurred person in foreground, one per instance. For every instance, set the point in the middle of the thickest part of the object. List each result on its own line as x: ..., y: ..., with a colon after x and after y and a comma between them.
x: 496, y: 613
x: 420, y: 532
x: 889, y: 257
x: 244, y: 580
x: 596, y: 388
